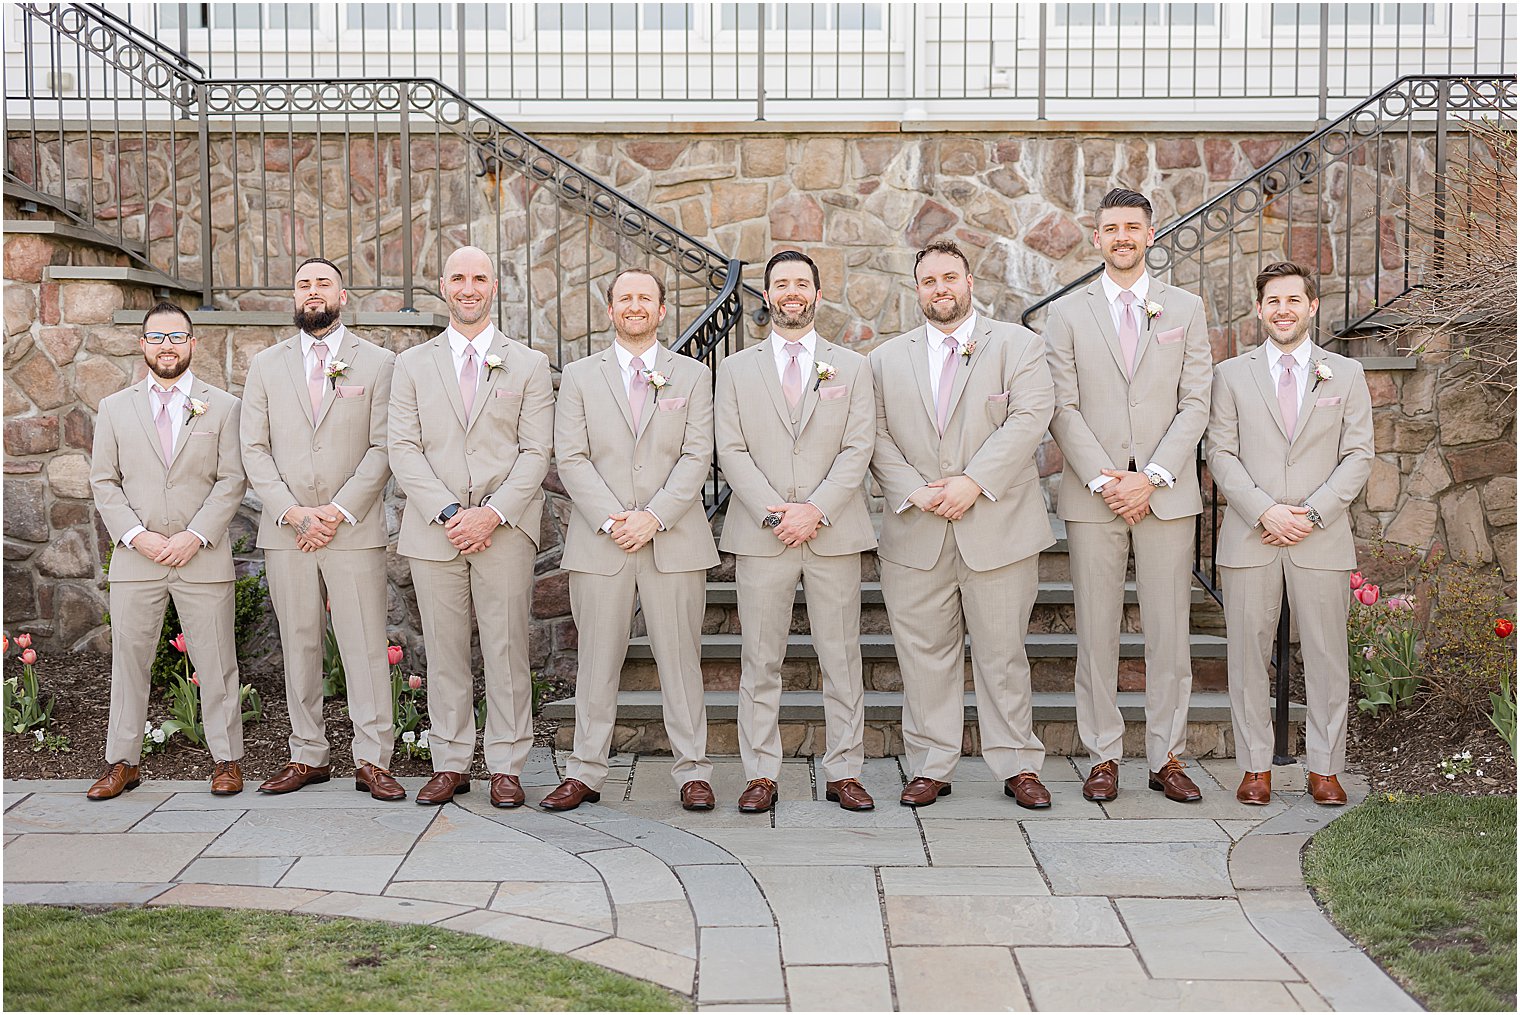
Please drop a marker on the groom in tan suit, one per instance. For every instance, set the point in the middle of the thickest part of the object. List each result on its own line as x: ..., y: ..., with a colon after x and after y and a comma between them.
x: 1290, y: 445
x: 471, y: 427
x: 167, y: 479
x: 1131, y: 362
x: 634, y: 429
x: 796, y: 424
x: 314, y: 424
x: 961, y: 405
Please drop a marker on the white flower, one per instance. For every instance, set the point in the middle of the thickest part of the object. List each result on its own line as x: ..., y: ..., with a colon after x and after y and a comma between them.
x: 1451, y: 775
x: 336, y: 369
x: 1322, y: 371
x: 408, y: 737
x: 195, y: 407
x: 147, y: 727
x: 493, y: 362
x: 1153, y: 309
x: 158, y: 736
x: 39, y: 736
x: 1480, y: 772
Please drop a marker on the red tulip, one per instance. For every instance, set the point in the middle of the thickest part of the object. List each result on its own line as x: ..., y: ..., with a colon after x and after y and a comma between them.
x: 1356, y: 580
x: 414, y: 682
x: 1504, y: 628
x: 394, y: 654
x: 5, y: 643
x: 178, y: 641
x: 1368, y: 594
x: 195, y: 678
x: 24, y: 640
x: 29, y: 656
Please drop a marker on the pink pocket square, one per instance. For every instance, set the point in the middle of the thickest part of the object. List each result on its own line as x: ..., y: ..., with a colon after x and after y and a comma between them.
x: 834, y: 391
x: 1171, y: 335
x: 1001, y: 396
x: 202, y: 433
x: 350, y: 390
x: 1328, y: 400
x: 503, y: 393
x: 670, y: 404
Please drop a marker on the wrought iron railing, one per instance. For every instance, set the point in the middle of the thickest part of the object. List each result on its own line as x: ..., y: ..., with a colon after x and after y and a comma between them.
x: 874, y: 59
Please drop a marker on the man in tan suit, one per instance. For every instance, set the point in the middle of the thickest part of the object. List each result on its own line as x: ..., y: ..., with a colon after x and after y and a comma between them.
x: 1131, y: 362
x: 167, y: 479
x: 961, y: 405
x: 314, y: 420
x: 634, y: 429
x: 1290, y: 445
x: 796, y: 425
x: 471, y: 427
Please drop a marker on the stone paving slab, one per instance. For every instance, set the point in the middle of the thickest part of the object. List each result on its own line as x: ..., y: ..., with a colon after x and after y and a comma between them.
x: 670, y: 845
x: 1227, y: 772
x: 1135, y: 830
x: 963, y: 881
x: 109, y: 856
x: 976, y: 920
x: 937, y: 978
x: 724, y: 895
x: 827, y: 915
x: 664, y: 925
x: 652, y: 780
x: 1111, y: 979
x: 554, y: 937
x: 338, y: 794
x: 670, y: 812
x: 282, y: 900
x: 12, y: 799
x: 215, y: 822
x: 529, y: 860
x: 475, y: 894
x: 76, y: 893
x: 1201, y: 939
x: 367, y: 875
x: 839, y: 988
x: 1164, y: 869
x: 828, y: 846
x: 740, y: 964
x: 882, y: 778
x: 986, y: 800
x: 293, y: 832
x: 238, y: 870
x: 584, y: 904
x: 58, y: 812
x: 975, y: 843
x: 383, y: 908
x: 1289, y: 918
x: 1350, y: 981
x: 632, y: 875
x: 822, y: 814
x: 674, y: 972
x: 1267, y: 861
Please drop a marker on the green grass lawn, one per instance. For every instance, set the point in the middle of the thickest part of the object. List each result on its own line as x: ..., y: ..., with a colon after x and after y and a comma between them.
x: 212, y: 959
x: 1427, y: 886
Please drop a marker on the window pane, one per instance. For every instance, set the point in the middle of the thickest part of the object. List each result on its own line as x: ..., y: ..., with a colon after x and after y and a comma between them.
x: 670, y: 17
x: 478, y: 16
x: 744, y: 17
x: 290, y: 15
x: 432, y: 16
x: 235, y: 16
x: 168, y: 15
x: 369, y: 16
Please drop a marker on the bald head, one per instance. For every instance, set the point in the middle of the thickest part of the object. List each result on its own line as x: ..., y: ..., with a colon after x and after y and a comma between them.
x: 468, y: 286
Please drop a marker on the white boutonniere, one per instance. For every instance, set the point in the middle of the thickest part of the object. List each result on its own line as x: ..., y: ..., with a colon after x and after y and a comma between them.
x: 826, y: 372
x: 1322, y: 372
x: 493, y: 362
x: 335, y: 372
x: 1153, y: 310
x: 656, y: 381
x: 194, y: 407
x: 967, y: 350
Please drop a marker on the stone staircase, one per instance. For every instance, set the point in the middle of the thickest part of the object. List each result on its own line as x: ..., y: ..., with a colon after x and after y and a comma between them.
x: 1051, y: 645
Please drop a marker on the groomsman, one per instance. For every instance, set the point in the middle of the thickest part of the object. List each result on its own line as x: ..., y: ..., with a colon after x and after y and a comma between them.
x: 167, y: 480
x: 1290, y: 445
x: 1131, y: 362
x: 796, y: 424
x: 634, y: 429
x: 471, y: 426
x: 314, y: 421
x: 961, y: 405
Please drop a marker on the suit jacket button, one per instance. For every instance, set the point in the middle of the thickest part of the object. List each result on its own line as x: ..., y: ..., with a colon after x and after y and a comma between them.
x: 796, y: 451
x: 470, y: 451
x: 638, y: 468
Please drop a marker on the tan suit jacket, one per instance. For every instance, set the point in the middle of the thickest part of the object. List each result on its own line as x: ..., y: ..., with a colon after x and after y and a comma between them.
x: 607, y: 467
x: 498, y: 456
x: 339, y: 459
x: 1000, y: 406
x: 1324, y: 467
x: 1104, y: 418
x: 823, y: 458
x: 200, y: 489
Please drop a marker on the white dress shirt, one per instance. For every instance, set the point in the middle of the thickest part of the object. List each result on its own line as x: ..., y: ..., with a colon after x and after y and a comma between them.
x: 657, y: 353
x: 332, y: 340
x: 1142, y: 290
x: 178, y: 420
x: 805, y: 361
x: 936, y: 343
x: 482, y: 343
x: 1301, y: 357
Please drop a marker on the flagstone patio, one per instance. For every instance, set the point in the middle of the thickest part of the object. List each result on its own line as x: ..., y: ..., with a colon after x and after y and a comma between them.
x: 971, y: 904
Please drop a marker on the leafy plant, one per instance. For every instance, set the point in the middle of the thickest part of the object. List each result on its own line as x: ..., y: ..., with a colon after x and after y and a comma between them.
x: 185, y: 709
x: 24, y: 708
x: 251, y: 703
x: 1382, y: 646
x: 1502, y: 701
x: 334, y: 680
x: 53, y: 743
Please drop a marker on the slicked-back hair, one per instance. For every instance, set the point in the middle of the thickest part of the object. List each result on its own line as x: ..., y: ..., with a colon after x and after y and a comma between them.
x: 1121, y: 198
x: 1286, y: 269
x: 659, y: 283
x: 165, y: 307
x: 321, y: 260
x: 940, y: 247
x: 782, y: 257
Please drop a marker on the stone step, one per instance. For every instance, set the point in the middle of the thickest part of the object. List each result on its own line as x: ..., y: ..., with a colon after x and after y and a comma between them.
x: 1050, y: 592
x: 1058, y: 645
x: 640, y: 729
x: 150, y: 277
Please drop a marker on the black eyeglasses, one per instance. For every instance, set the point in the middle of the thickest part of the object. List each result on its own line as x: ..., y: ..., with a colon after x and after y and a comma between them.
x: 174, y: 337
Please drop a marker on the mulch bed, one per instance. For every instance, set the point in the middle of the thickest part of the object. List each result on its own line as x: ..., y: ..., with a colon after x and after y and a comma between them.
x: 80, y: 685
x: 1402, y: 753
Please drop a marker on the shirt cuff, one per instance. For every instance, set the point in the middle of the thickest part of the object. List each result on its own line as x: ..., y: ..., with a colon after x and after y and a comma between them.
x: 350, y: 518
x: 824, y: 518
x: 1166, y: 477
x: 132, y: 533
x: 656, y: 519
x: 197, y: 535
x: 1099, y: 483
x: 606, y: 527
x: 491, y: 506
x: 905, y: 504
x: 986, y: 494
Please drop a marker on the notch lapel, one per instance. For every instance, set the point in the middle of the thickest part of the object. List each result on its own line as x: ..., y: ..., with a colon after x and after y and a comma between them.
x: 329, y: 387
x: 810, y: 394
x: 613, y: 375
x: 486, y: 387
x: 295, y: 364
x: 765, y: 365
x: 145, y: 417
x: 1103, y: 316
x: 1148, y: 333
x: 918, y: 364
x: 651, y: 396
x: 1306, y: 407
x: 443, y: 359
x: 192, y: 424
x: 1263, y: 374
x: 963, y: 374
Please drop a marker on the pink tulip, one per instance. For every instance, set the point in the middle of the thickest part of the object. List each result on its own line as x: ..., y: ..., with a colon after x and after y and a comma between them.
x: 24, y: 640
x: 394, y: 654
x: 29, y: 656
x: 178, y: 641
x: 1399, y: 604
x: 414, y: 682
x: 1368, y: 594
x: 1356, y: 580
x: 1369, y: 653
x: 195, y: 678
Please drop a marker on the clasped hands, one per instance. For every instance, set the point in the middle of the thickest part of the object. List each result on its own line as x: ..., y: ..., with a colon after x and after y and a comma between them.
x: 1127, y: 494
x: 632, y: 529
x: 470, y: 529
x: 799, y: 522
x: 950, y: 497
x: 173, y: 551
x: 1285, y: 524
x: 314, y: 526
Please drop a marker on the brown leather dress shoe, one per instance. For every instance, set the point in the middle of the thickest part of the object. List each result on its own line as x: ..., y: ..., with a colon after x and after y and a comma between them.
x: 380, y: 783
x: 1255, y: 789
x: 1102, y: 782
x: 118, y: 778
x: 1326, y: 790
x: 697, y: 795
x: 759, y: 796
x: 226, y: 779
x: 506, y: 791
x: 569, y: 795
x: 295, y: 775
x: 922, y: 792
x: 852, y: 796
x: 443, y: 787
x: 1173, y: 781
x: 1028, y: 791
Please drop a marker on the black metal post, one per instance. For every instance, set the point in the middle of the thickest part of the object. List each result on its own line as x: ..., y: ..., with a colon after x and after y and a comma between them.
x: 1280, y: 755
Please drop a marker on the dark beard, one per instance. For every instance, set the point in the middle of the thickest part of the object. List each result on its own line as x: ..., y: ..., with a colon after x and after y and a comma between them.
x: 961, y: 311
x: 801, y: 320
x: 184, y: 364
x: 315, y: 322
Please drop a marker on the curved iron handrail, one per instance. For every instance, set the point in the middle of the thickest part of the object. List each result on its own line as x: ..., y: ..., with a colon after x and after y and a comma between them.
x: 138, y: 35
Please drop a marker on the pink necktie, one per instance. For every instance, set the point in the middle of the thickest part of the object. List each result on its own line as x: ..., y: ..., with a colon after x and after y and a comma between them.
x: 318, y: 375
x: 946, y: 382
x: 791, y: 377
x: 1287, y: 396
x: 165, y: 427
x: 468, y: 379
x: 637, y: 385
x: 1129, y: 332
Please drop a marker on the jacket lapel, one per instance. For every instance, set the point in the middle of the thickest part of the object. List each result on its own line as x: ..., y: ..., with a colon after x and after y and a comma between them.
x: 660, y: 362
x: 1306, y: 407
x: 1147, y: 333
x: 1103, y: 316
x: 810, y: 385
x: 918, y: 363
x: 343, y: 353
x: 191, y: 423
x: 613, y: 375
x: 1263, y: 374
x: 145, y: 417
x: 486, y: 387
x: 295, y: 365
x: 765, y: 367
x: 967, y: 364
x: 443, y: 359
